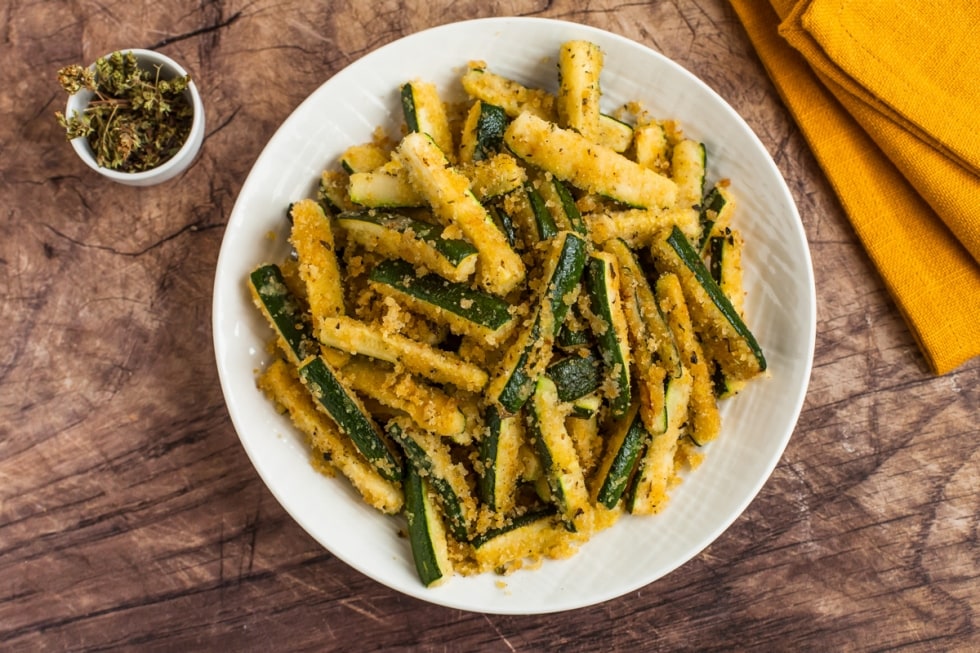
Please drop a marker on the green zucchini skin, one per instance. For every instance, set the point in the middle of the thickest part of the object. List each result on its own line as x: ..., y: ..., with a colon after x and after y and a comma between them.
x: 571, y: 338
x: 572, y: 213
x: 576, y: 376
x: 713, y: 202
x: 565, y: 277
x: 627, y: 453
x: 586, y: 406
x: 567, y: 274
x: 720, y: 384
x: 543, y: 220
x: 505, y: 223
x: 453, y: 249
x: 486, y: 483
x: 418, y: 457
x: 612, y: 340
x: 519, y: 521
x: 351, y: 419
x: 608, y: 126
x: 680, y: 244
x: 495, y: 485
x: 479, y: 307
x: 716, y: 250
x: 489, y: 131
x: 284, y: 313
x: 519, y: 385
x: 421, y: 513
x: 408, y: 108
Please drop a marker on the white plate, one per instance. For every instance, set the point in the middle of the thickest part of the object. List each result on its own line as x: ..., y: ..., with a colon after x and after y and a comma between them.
x: 780, y: 306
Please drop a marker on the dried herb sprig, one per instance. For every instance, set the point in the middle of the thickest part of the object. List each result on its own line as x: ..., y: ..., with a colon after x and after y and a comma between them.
x: 135, y: 120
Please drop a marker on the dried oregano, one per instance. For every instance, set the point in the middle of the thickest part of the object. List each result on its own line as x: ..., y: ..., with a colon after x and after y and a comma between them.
x: 136, y: 120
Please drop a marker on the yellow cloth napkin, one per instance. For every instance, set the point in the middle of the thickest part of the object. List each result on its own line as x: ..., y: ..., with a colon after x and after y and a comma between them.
x: 904, y: 71
x: 903, y: 165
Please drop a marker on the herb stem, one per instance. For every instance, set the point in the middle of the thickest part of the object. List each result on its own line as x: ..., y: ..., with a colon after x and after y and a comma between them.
x: 137, y: 118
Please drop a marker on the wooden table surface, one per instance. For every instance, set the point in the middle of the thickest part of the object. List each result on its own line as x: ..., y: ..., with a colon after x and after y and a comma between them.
x: 131, y: 517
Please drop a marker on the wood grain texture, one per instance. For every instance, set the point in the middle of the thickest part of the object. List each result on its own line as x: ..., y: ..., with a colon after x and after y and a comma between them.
x: 130, y: 516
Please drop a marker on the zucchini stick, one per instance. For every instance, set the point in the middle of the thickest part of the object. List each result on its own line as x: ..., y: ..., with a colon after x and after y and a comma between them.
x: 312, y: 237
x: 428, y: 406
x: 579, y: 65
x: 280, y: 384
x: 704, y: 421
x: 356, y: 337
x: 447, y: 191
x: 586, y: 165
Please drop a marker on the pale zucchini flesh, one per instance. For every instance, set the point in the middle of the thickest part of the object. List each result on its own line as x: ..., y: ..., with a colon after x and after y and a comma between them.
x: 538, y: 516
x: 589, y: 438
x: 420, y: 243
x: 652, y: 148
x: 638, y: 227
x: 586, y: 165
x: 363, y: 158
x: 500, y: 460
x: 494, y: 176
x: 512, y: 96
x: 614, y: 133
x: 725, y: 252
x: 428, y: 406
x: 586, y: 406
x: 579, y: 67
x: 704, y: 420
x: 530, y: 537
x: 357, y: 337
x: 425, y: 112
x: 500, y: 268
x: 384, y: 187
x: 646, y: 330
x: 647, y: 493
x: 687, y: 169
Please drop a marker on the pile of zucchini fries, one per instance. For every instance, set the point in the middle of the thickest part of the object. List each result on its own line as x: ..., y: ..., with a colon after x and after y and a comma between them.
x: 515, y: 322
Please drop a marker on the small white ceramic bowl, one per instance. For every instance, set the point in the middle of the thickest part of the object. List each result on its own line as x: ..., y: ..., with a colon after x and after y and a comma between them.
x: 171, y: 167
